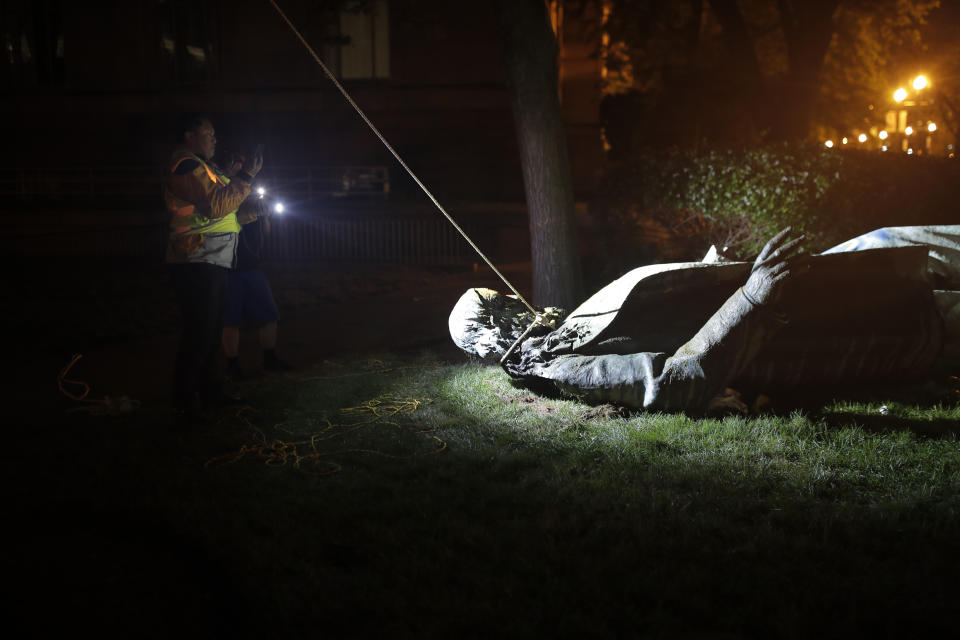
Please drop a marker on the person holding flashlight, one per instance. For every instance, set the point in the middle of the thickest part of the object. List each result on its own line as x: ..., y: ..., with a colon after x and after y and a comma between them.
x: 205, y: 219
x: 250, y: 301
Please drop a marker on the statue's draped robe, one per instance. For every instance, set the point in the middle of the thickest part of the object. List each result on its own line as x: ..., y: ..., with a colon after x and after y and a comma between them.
x: 942, y: 243
x: 672, y: 336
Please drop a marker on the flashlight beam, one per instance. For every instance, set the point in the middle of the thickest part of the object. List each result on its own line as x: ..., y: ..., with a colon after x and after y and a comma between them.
x: 396, y: 155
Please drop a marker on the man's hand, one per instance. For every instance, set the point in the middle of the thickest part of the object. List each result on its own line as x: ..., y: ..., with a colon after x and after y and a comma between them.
x: 252, y: 167
x: 234, y: 164
x: 250, y: 210
x: 771, y: 268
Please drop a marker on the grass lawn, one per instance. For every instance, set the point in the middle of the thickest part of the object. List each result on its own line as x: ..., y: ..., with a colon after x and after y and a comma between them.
x: 416, y: 495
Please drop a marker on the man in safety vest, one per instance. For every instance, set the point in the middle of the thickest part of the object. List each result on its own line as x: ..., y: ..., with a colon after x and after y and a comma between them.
x: 204, y: 221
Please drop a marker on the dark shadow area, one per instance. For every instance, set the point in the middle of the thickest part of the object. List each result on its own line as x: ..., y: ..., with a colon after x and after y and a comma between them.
x: 120, y: 566
x: 938, y: 388
x: 125, y: 525
x: 935, y: 428
x: 118, y: 524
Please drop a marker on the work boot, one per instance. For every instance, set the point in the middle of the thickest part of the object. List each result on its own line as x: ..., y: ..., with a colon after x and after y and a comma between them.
x: 214, y: 397
x: 272, y: 363
x: 187, y: 414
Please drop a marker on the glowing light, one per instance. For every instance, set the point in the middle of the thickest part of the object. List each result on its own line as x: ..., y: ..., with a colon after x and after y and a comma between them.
x: 278, y: 207
x: 900, y: 94
x: 931, y: 127
x: 261, y: 191
x: 828, y: 144
x: 908, y: 131
x: 883, y: 135
x: 862, y: 137
x: 844, y: 141
x: 920, y: 82
x: 197, y: 53
x: 883, y: 148
x: 910, y: 151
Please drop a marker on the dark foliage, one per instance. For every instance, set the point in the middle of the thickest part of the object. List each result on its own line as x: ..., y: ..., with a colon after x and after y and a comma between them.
x: 681, y: 203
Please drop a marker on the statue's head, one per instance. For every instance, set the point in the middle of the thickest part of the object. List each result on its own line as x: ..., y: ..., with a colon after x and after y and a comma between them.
x: 486, y: 323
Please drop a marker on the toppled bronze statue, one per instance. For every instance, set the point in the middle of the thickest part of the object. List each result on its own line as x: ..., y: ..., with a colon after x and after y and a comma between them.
x: 674, y: 336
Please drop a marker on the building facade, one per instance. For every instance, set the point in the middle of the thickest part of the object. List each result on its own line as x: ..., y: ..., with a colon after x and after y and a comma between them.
x: 100, y: 85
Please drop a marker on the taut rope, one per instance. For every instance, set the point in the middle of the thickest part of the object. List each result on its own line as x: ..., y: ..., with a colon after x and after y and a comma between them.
x: 396, y: 155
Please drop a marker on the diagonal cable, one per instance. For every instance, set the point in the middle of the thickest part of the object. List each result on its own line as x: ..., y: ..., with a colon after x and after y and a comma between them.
x: 396, y: 155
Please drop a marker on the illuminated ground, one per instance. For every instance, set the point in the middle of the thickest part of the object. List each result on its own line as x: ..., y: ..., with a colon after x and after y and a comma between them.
x: 401, y: 492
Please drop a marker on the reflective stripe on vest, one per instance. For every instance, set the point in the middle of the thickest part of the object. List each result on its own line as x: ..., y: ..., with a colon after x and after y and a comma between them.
x: 185, y: 221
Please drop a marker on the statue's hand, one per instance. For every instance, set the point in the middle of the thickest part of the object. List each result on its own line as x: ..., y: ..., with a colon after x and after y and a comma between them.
x: 771, y: 268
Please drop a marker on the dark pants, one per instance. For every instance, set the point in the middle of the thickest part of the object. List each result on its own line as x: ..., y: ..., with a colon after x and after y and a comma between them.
x: 201, y: 291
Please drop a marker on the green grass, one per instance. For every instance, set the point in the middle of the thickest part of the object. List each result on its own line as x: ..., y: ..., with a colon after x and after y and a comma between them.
x: 474, y: 507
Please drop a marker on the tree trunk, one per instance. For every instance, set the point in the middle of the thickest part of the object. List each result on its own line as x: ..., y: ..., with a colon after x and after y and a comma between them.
x: 785, y: 107
x: 751, y: 90
x: 530, y: 60
x: 807, y: 28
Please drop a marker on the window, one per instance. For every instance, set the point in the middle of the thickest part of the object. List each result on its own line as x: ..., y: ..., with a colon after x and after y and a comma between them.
x: 185, y: 40
x: 357, y: 40
x: 32, y: 38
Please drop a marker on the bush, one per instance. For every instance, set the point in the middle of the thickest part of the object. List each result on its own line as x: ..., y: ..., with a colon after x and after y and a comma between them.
x: 739, y: 198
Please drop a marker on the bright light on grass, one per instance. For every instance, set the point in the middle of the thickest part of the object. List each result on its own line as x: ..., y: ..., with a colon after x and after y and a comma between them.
x: 477, y: 410
x: 776, y: 517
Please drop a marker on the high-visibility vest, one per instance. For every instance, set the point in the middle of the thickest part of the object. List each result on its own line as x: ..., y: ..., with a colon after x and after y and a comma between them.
x: 184, y: 219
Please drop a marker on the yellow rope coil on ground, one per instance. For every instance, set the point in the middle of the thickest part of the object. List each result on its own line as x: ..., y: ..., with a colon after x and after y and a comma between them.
x: 63, y: 380
x: 310, y: 454
x: 106, y: 405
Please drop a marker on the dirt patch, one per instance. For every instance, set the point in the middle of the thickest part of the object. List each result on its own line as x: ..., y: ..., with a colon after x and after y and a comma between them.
x: 606, y: 412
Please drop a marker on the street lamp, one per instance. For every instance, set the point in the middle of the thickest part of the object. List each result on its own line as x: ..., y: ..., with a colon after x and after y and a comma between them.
x: 900, y: 94
x: 908, y: 131
x: 920, y: 82
x: 862, y: 137
x: 883, y: 135
x: 844, y: 141
x: 828, y: 144
x: 931, y: 127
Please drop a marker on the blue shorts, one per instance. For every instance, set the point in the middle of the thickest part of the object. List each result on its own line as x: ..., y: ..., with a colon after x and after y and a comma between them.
x: 249, y: 300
